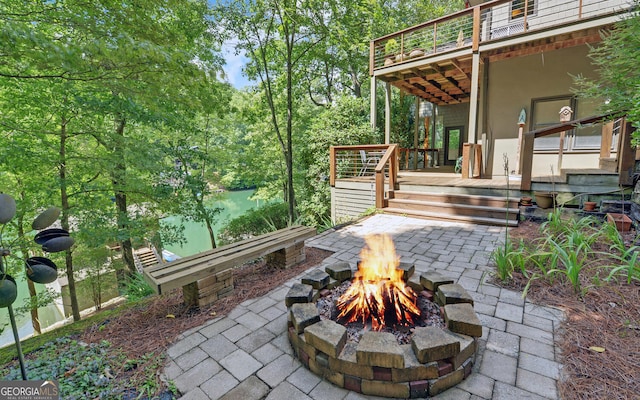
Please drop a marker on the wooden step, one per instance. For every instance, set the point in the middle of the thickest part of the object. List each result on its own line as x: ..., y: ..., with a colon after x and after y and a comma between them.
x: 455, y: 198
x: 451, y: 217
x: 609, y: 164
x: 486, y: 210
x: 454, y: 208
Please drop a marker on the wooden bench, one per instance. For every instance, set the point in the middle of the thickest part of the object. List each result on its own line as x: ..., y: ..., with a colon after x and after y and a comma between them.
x: 208, y: 276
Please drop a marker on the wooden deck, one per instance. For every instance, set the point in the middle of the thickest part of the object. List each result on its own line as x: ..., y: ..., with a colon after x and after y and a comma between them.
x: 448, y: 179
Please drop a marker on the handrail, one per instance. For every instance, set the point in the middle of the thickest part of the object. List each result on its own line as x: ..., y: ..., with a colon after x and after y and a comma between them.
x: 432, y: 29
x: 528, y: 138
x: 390, y: 158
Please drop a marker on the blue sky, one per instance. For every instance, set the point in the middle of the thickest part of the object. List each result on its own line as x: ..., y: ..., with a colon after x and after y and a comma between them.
x: 234, y: 66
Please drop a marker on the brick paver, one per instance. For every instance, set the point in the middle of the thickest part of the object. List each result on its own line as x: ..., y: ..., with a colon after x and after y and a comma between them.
x: 247, y: 354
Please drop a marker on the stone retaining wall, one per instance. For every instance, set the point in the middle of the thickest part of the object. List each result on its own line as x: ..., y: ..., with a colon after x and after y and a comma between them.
x: 436, y: 359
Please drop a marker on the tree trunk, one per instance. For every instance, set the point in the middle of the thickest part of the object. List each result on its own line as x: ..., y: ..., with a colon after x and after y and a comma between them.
x: 289, y: 153
x: 35, y: 320
x: 64, y: 220
x: 357, y: 86
x: 119, y: 184
x: 212, y: 237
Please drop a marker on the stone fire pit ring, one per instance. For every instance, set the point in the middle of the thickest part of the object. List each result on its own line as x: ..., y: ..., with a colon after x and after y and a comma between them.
x: 378, y: 365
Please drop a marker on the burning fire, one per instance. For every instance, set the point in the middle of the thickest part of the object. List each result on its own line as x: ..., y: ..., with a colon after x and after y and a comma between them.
x: 377, y: 292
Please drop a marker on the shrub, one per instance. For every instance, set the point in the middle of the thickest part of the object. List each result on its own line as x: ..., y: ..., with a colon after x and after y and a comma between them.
x: 255, y: 222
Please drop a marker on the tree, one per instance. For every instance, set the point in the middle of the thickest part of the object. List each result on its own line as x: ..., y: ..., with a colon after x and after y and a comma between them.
x: 346, y: 122
x: 616, y: 59
x: 278, y: 37
x: 190, y: 181
x: 109, y: 78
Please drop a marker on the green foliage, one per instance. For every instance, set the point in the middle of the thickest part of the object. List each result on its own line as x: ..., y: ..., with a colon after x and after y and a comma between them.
x: 619, y: 76
x: 79, y: 367
x: 255, y: 222
x: 391, y: 47
x: 344, y: 123
x: 137, y: 288
x: 571, y: 257
x: 628, y: 265
x: 86, y: 370
x: 563, y: 252
x: 628, y: 259
x: 501, y: 256
x: 510, y: 257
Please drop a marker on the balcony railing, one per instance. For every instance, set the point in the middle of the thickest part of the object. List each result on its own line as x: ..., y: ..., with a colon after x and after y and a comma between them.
x: 365, y: 161
x: 485, y: 23
x: 625, y: 152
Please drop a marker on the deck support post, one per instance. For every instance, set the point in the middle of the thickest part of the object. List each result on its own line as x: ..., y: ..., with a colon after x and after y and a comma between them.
x: 387, y: 113
x: 473, y: 104
x: 374, y: 105
x: 416, y: 126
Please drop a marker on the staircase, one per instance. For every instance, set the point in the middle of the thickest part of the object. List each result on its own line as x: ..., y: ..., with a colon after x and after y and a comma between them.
x: 145, y: 257
x: 477, y: 209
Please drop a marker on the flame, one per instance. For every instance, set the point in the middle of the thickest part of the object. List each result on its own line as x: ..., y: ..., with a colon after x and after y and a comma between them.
x: 377, y: 292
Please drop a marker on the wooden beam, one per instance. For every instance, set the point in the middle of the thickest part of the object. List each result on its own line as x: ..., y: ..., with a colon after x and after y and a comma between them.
x: 526, y: 161
x: 466, y: 152
x: 607, y: 140
x: 626, y: 155
x: 332, y: 166
x: 476, y: 29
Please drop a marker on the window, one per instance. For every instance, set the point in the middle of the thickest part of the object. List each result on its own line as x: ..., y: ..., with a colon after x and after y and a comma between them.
x: 518, y: 6
x: 545, y: 112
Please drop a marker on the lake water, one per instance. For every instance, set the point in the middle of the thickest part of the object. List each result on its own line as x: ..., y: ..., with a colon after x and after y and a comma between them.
x: 234, y: 204
x: 47, y: 315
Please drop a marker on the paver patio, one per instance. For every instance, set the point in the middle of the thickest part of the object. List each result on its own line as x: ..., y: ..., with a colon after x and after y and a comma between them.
x: 246, y: 355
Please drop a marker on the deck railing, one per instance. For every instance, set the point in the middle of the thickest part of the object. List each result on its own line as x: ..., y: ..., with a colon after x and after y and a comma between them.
x: 625, y: 152
x: 485, y: 22
x: 363, y: 162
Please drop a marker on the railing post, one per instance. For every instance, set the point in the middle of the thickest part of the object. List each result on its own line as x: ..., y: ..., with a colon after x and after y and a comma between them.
x: 580, y: 10
x: 477, y: 161
x: 526, y: 161
x: 379, y: 189
x: 435, y: 34
x: 466, y: 149
x: 626, y: 155
x: 476, y: 28
x: 393, y: 168
x: 332, y: 166
x: 607, y: 138
x: 372, y: 57
x: 526, y: 11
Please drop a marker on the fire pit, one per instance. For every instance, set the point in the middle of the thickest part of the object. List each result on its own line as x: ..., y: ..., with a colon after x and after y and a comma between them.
x: 377, y: 331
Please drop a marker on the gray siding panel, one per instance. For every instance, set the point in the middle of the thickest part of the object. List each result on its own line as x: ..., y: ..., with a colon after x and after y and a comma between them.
x: 350, y: 202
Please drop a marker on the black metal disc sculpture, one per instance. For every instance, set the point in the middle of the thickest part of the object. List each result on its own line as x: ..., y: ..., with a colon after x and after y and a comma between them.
x: 39, y: 269
x: 8, y: 290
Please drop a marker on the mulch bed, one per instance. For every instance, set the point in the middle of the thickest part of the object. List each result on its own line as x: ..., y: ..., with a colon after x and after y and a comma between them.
x: 155, y: 325
x: 607, y: 316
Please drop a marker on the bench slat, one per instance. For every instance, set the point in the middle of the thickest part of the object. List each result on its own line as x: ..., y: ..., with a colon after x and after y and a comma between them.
x: 155, y: 270
x: 223, y: 261
x: 277, y: 238
x: 167, y: 276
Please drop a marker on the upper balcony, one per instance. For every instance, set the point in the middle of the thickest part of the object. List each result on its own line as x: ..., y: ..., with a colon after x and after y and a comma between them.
x: 433, y: 60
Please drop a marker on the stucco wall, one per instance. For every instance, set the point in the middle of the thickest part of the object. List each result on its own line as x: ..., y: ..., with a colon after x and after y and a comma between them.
x: 512, y: 83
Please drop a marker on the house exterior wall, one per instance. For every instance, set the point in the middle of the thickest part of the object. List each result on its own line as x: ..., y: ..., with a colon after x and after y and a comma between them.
x: 512, y: 84
x: 546, y: 13
x: 452, y: 116
x: 350, y: 200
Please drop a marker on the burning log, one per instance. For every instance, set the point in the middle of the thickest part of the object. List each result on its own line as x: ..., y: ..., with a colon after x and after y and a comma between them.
x: 378, y: 293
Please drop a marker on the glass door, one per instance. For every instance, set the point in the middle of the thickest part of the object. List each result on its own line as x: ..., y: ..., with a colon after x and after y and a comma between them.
x: 452, y: 144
